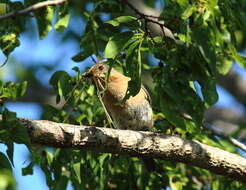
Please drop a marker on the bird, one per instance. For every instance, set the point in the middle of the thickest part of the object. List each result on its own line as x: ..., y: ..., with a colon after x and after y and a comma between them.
x: 133, y: 114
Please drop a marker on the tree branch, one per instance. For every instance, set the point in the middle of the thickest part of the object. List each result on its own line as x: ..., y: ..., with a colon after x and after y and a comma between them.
x: 32, y: 8
x: 218, y: 133
x: 136, y: 143
x: 225, y: 136
x: 153, y: 20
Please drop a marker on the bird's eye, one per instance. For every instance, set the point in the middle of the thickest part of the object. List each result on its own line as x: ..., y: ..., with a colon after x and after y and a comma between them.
x: 101, y: 67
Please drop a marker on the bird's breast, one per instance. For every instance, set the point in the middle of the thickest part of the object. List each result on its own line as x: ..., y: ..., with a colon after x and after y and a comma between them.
x: 134, y: 114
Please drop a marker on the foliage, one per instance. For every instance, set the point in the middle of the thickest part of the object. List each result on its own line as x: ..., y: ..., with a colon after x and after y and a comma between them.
x: 10, y: 131
x: 207, y: 42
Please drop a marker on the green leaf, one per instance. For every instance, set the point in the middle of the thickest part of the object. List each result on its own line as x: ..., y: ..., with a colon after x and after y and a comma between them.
x: 81, y: 56
x: 63, y: 18
x: 60, y: 82
x: 117, y: 44
x: 1, y: 86
x: 183, y: 3
x: 28, y: 170
x: 10, y: 29
x: 4, y: 162
x: 17, y: 132
x: 76, y: 69
x: 3, y: 8
x: 52, y: 113
x: 88, y: 46
x: 205, y: 46
x: 224, y: 67
x: 170, y: 111
x: 21, y: 135
x: 177, y: 181
x: 62, y: 183
x: 241, y: 60
x: 21, y: 89
x: 176, y: 186
x: 129, y: 20
x: 7, y: 180
x: 46, y: 169
x: 9, y: 42
x: 76, y: 168
x: 135, y: 69
x: 12, y: 90
x: 56, y: 77
x: 215, y: 185
x: 10, y: 151
x: 188, y: 12
x: 50, y: 157
x: 62, y: 23
x: 44, y: 17
x: 209, y: 91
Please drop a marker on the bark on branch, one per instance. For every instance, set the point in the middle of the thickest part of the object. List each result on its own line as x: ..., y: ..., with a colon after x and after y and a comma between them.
x: 32, y: 8
x: 137, y: 143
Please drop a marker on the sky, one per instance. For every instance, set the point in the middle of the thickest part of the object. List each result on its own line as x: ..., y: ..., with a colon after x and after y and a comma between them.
x: 50, y: 49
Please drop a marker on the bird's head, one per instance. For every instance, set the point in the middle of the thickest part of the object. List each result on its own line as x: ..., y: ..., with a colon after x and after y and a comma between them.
x: 101, y: 75
x: 99, y: 70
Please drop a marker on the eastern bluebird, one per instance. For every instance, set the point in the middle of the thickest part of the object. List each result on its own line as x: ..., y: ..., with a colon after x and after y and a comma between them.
x: 133, y: 114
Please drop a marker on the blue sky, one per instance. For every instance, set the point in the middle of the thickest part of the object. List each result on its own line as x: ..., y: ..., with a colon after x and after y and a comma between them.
x: 47, y: 50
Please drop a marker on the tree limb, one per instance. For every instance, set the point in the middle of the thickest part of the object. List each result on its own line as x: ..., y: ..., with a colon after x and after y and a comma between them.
x: 136, y: 143
x: 32, y: 8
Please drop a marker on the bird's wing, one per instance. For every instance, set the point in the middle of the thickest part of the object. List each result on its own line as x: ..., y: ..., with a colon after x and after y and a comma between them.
x: 147, y: 94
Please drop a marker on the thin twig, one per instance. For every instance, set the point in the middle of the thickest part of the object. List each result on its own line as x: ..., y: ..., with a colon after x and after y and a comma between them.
x: 152, y: 16
x: 32, y: 8
x: 149, y: 18
x: 93, y: 59
x: 138, y: 12
x: 4, y: 63
x: 227, y: 137
x: 232, y: 140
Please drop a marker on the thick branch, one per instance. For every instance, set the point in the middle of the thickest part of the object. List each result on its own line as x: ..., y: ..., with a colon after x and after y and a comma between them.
x: 137, y: 143
x: 32, y: 8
